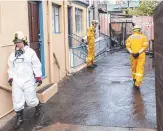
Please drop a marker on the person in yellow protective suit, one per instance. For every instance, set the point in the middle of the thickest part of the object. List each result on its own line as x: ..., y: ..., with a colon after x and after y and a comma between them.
x: 137, y: 44
x: 91, y: 45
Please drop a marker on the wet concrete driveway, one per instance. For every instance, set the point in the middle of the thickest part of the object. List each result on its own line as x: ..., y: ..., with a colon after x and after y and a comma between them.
x: 101, y: 97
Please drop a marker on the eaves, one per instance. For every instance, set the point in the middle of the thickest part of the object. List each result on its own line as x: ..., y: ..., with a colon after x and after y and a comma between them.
x: 80, y: 2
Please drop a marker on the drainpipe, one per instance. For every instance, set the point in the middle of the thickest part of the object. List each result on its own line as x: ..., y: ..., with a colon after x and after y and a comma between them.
x: 50, y: 47
x: 89, y: 7
x: 96, y: 15
x: 48, y: 39
x: 66, y: 46
x: 65, y: 38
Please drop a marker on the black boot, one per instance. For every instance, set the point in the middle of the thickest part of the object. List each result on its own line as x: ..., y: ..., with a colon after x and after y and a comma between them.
x: 19, y: 120
x: 136, y: 87
x: 134, y: 80
x: 94, y: 65
x: 37, y: 110
x: 90, y: 66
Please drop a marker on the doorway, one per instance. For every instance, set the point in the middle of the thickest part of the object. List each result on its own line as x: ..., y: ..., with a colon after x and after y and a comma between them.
x: 36, y: 33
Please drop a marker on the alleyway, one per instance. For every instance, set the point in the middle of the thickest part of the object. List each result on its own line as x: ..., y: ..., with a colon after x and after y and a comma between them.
x: 102, y: 97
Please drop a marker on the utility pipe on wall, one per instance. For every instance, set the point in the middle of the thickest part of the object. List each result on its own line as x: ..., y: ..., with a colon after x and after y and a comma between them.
x: 50, y: 46
x: 65, y: 35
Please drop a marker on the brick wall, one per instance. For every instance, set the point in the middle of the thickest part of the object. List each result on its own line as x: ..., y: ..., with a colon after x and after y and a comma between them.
x: 158, y: 45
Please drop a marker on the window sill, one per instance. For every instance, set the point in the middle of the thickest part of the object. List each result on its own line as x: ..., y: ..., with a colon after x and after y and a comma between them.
x: 57, y: 33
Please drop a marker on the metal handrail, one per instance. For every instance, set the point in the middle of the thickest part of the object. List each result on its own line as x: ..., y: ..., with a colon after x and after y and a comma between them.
x: 101, y: 40
x: 78, y: 47
x: 104, y: 34
x: 77, y: 39
x: 79, y: 50
x: 82, y: 38
x: 77, y: 35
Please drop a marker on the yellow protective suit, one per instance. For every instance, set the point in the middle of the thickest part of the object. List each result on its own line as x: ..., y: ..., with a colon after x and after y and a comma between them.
x: 91, y: 45
x: 135, y: 43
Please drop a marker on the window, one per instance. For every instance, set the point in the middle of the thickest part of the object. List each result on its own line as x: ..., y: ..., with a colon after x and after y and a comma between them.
x: 56, y: 19
x: 78, y: 20
x: 89, y: 18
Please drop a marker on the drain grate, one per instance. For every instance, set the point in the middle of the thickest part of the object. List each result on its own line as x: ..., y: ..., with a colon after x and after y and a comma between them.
x: 115, y: 82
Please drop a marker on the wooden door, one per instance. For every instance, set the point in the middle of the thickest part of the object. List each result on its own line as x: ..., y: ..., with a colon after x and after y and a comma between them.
x: 34, y: 28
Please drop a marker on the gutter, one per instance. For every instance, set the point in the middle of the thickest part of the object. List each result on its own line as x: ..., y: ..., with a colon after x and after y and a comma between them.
x: 50, y: 48
x: 80, y: 2
x: 65, y: 35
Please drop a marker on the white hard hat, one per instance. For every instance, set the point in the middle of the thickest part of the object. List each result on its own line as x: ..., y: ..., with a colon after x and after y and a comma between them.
x: 94, y: 22
x: 137, y: 27
x: 97, y: 22
x: 19, y: 37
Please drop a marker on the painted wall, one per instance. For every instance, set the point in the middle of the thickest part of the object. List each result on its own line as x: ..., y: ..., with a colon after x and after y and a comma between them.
x: 12, y: 19
x: 57, y: 43
x: 84, y: 19
x: 9, y: 24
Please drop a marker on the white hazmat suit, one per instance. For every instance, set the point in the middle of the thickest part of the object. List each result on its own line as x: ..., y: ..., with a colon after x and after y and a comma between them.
x: 23, y: 70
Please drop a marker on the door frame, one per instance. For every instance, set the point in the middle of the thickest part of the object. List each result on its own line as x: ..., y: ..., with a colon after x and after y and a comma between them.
x: 41, y: 35
x: 69, y: 9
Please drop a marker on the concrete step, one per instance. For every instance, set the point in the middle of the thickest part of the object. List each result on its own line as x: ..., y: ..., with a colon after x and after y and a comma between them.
x: 5, y: 97
x: 69, y: 127
x: 45, y: 93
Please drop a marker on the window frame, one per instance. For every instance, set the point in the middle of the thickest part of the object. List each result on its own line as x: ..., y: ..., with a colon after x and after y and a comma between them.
x: 77, y: 10
x: 56, y: 30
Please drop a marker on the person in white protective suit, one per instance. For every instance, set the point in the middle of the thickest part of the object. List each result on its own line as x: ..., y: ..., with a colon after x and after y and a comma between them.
x: 24, y: 74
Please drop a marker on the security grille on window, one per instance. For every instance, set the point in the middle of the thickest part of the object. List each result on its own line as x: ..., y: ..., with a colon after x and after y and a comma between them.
x: 78, y: 20
x: 56, y: 18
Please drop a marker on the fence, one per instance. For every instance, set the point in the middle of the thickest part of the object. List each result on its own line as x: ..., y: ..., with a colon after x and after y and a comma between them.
x: 78, y: 52
x: 119, y: 31
x: 101, y: 46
